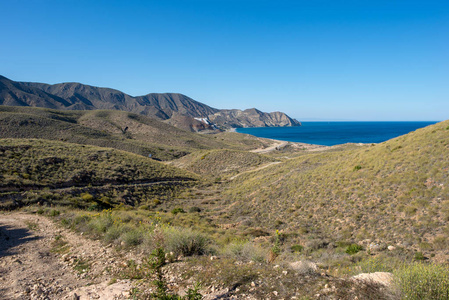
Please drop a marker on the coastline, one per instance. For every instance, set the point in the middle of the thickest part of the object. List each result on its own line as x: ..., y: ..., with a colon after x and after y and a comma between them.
x: 337, y: 133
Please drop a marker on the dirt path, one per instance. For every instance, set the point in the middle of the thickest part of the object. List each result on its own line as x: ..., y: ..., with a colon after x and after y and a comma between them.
x: 39, y: 260
x: 256, y: 169
x: 277, y: 145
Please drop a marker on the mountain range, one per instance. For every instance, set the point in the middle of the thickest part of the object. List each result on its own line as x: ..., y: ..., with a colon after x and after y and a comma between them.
x: 173, y: 108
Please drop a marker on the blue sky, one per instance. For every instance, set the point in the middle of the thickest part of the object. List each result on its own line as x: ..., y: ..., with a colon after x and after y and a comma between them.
x: 329, y: 60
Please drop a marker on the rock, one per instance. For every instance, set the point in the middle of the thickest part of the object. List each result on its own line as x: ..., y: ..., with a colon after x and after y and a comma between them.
x: 374, y: 247
x: 304, y: 267
x: 384, y: 278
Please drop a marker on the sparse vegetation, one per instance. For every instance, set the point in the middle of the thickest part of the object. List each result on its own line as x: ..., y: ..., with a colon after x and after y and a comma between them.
x: 349, y: 210
x: 144, y: 135
x: 423, y: 281
x: 394, y: 195
x: 221, y: 162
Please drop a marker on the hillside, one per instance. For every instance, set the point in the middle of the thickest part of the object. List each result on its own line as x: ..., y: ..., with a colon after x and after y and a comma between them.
x: 292, y: 223
x: 32, y: 165
x: 40, y: 163
x: 121, y: 130
x: 177, y: 109
x: 393, y: 193
x: 218, y: 163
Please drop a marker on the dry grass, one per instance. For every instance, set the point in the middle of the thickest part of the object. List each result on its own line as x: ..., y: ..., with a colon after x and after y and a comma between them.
x: 392, y: 193
x: 116, y: 129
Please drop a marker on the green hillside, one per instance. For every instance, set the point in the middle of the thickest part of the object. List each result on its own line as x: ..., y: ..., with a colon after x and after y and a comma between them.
x: 395, y: 193
x: 44, y: 166
x: 121, y: 130
x: 221, y: 162
x: 49, y: 163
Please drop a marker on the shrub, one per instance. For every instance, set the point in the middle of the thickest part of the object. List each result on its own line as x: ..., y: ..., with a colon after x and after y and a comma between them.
x: 54, y: 213
x: 132, y: 237
x: 65, y: 222
x: 358, y: 167
x: 353, y: 249
x: 423, y: 281
x: 94, y: 206
x: 113, y: 233
x: 296, y: 248
x: 194, y: 209
x: 87, y: 197
x: 186, y: 241
x: 177, y: 210
x: 101, y: 224
x: 419, y: 256
x: 244, y: 250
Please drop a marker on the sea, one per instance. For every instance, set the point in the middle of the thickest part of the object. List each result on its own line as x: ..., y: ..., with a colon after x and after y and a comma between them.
x: 335, y: 133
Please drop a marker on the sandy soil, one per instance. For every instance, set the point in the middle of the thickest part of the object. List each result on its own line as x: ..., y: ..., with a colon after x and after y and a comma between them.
x: 277, y: 145
x: 30, y: 268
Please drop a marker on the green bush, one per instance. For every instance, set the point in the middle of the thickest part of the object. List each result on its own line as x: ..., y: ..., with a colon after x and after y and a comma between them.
x: 419, y: 256
x: 353, y: 249
x: 54, y: 213
x: 94, y: 207
x: 297, y: 248
x: 358, y: 167
x: 244, y: 250
x: 113, y: 233
x: 100, y: 224
x: 87, y: 197
x: 186, y: 241
x: 177, y: 210
x: 133, y: 237
x: 423, y: 281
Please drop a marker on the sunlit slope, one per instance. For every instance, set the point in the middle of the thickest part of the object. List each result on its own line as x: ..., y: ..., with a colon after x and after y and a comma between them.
x: 44, y: 163
x: 396, y: 191
x: 218, y: 163
x: 121, y: 130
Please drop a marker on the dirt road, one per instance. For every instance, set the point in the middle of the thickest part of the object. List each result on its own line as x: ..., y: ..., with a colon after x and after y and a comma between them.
x: 275, y: 146
x: 39, y: 260
x: 279, y: 145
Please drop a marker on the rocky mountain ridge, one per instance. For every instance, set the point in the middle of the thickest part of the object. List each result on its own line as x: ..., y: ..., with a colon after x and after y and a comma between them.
x: 176, y: 109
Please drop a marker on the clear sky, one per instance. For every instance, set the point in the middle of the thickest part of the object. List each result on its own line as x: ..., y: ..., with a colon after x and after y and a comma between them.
x: 330, y: 60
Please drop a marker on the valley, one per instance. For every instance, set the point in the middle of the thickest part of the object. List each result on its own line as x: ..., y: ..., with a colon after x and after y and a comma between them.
x: 235, y: 216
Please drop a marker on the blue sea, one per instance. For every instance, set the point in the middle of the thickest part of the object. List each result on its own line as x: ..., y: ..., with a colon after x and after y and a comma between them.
x: 334, y: 133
